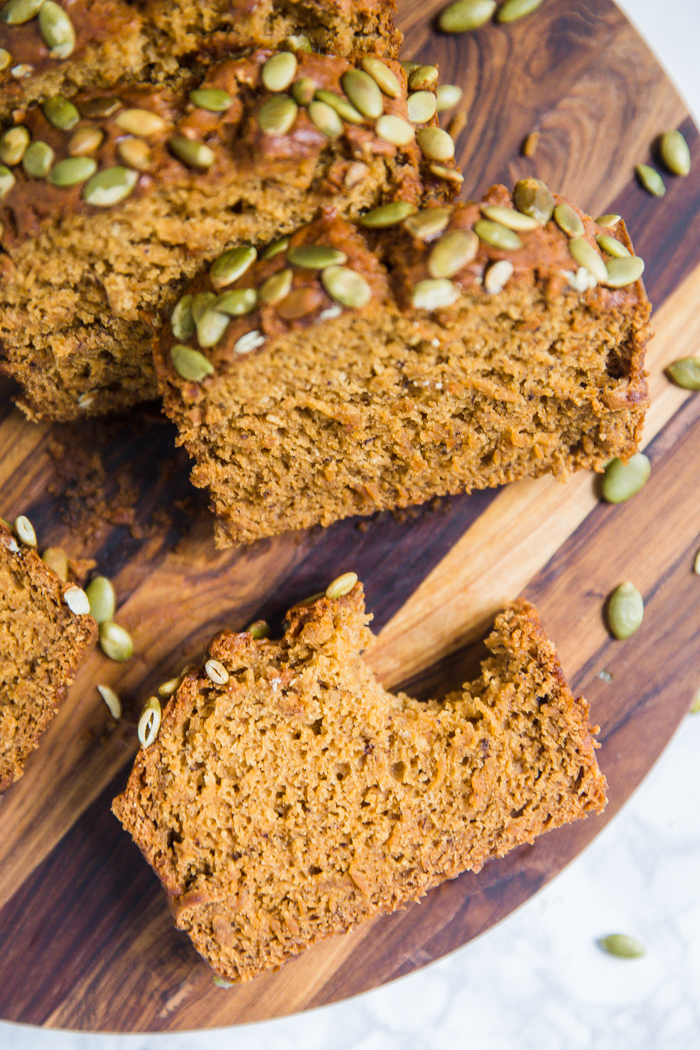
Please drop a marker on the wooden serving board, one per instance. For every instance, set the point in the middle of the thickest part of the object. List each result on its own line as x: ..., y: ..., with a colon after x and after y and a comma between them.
x: 87, y: 938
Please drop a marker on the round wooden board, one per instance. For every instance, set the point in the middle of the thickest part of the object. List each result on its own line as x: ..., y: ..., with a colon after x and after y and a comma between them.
x: 88, y: 941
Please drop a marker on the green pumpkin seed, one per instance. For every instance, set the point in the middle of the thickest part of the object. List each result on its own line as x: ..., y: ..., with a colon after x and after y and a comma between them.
x: 451, y: 174
x: 695, y: 705
x: 297, y: 42
x: 452, y: 253
x: 214, y: 669
x: 346, y: 286
x: 56, y: 30
x: 103, y: 600
x: 140, y: 122
x: 586, y: 255
x: 190, y: 364
x: 60, y: 112
x: 422, y: 106
x: 238, y: 303
x: 382, y: 75
x: 232, y: 265
x: 342, y: 585
x: 149, y: 722
x: 115, y: 642
x: 514, y: 220
x: 569, y: 220
x: 109, y: 186
x: 612, y: 246
x: 303, y: 91
x: 259, y: 629
x: 465, y: 15
x: 5, y: 58
x: 625, y: 610
x: 514, y: 9
x: 532, y: 197
x: 211, y: 327
x: 37, y: 159
x: 85, y: 140
x: 13, y: 144
x: 25, y: 531
x: 277, y: 287
x: 675, y: 153
x: 101, y: 108
x: 621, y: 480
x: 316, y: 256
x: 325, y: 118
x: 448, y: 96
x: 388, y: 214
x: 622, y: 946
x: 279, y: 71
x: 214, y: 100
x: 650, y: 180
x: 17, y: 12
x: 395, y: 130
x: 340, y: 105
x: 221, y: 982
x: 423, y: 77
x: 112, y: 700
x: 76, y: 600
x: 610, y: 219
x: 428, y: 224
x: 182, y: 321
x: 7, y: 180
x: 432, y: 295
x: 193, y: 154
x: 170, y: 687
x: 135, y: 153
x: 72, y: 171
x: 497, y: 276
x: 277, y: 115
x: 622, y: 272
x: 200, y: 304
x: 497, y: 235
x: 363, y: 92
x: 435, y: 143
x: 685, y: 373
x: 276, y: 248
x: 57, y: 560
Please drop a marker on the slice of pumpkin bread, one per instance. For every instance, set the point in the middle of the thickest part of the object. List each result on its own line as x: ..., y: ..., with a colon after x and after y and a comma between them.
x: 298, y: 798
x: 45, y: 631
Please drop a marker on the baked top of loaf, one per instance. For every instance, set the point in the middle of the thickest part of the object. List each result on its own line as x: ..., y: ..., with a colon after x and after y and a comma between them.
x: 300, y: 798
x: 42, y: 643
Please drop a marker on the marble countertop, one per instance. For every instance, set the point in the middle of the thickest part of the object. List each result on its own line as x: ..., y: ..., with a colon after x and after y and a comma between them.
x: 537, y: 981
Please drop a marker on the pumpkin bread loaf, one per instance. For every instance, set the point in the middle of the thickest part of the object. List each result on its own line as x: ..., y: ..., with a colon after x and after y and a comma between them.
x: 356, y: 369
x: 298, y: 798
x: 43, y: 640
x: 109, y: 205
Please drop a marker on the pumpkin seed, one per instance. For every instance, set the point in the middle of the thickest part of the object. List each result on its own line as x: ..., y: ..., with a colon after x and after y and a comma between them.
x: 363, y: 92
x: 57, y: 560
x: 200, y: 304
x: 190, y: 364
x: 103, y: 600
x: 622, y: 272
x: 452, y: 252
x: 533, y: 197
x: 341, y: 105
x: 435, y: 143
x: 277, y: 287
x: 211, y: 327
x: 279, y: 71
x: 13, y: 144
x: 625, y: 610
x: 300, y: 303
x: 221, y: 982
x: 76, y: 600
x: 650, y: 180
x: 423, y: 77
x: 100, y: 108
x: 214, y: 100
x: 135, y: 153
x: 610, y: 219
x: 422, y: 106
x: 465, y: 15
x: 37, y: 159
x: 140, y: 122
x: 675, y: 153
x: 25, y: 531
x: 17, y: 12
x: 297, y: 42
x: 530, y: 143
x: 621, y: 480
x: 214, y: 669
x: 237, y: 303
x: 605, y: 675
x: 612, y: 246
x: 451, y: 174
x: 395, y: 130
x: 685, y: 373
x: 569, y: 220
x: 695, y: 706
x: 259, y: 629
x: 382, y: 75
x: 248, y: 342
x: 316, y: 256
x: 497, y: 235
x: 277, y: 114
x: 56, y: 30
x: 325, y: 118
x: 622, y: 946
x: 5, y: 58
x: 428, y: 224
x: 7, y: 180
x: 115, y: 641
x: 388, y: 214
x: 109, y: 186
x: 85, y: 140
x: 193, y: 154
x: 276, y: 248
x: 514, y: 220
x: 497, y: 276
x: 170, y: 687
x: 72, y: 170
x: 346, y: 286
x: 586, y: 255
x: 231, y: 265
x: 112, y: 700
x: 448, y: 96
x: 303, y: 91
x: 60, y: 112
x: 149, y: 722
x: 514, y: 9
x: 408, y: 65
x: 696, y: 564
x: 341, y: 585
x: 181, y: 319
x: 431, y: 295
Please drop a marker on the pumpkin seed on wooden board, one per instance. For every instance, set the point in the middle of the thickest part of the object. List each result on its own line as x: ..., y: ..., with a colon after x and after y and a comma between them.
x: 650, y: 180
x: 115, y: 641
x: 695, y: 704
x: 512, y: 10
x: 103, y: 600
x: 621, y: 480
x: 111, y: 699
x: 625, y: 610
x: 466, y: 15
x: 448, y: 96
x: 685, y: 373
x: 675, y: 153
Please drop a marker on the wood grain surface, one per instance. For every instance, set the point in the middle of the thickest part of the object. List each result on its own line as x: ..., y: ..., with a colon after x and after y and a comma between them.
x: 88, y: 942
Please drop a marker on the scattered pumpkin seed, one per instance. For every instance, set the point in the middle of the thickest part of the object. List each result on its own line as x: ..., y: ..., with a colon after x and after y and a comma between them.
x: 675, y: 153
x: 514, y: 9
x: 60, y: 112
x: 346, y: 286
x: 221, y: 982
x: 685, y: 373
x: 13, y: 144
x: 422, y: 106
x: 231, y: 265
x: 101, y: 108
x: 423, y: 77
x: 181, y: 319
x: 112, y: 700
x: 277, y: 114
x: 465, y: 15
x: 211, y: 327
x: 238, y: 302
x: 276, y: 248
x: 432, y: 295
x: 149, y: 722
x: 533, y: 197
x: 17, y: 12
x: 382, y: 75
x: 650, y: 180
x: 140, y: 122
x: 625, y: 610
x: 85, y: 140
x: 214, y: 669
x: 135, y: 153
x: 609, y: 219
x: 103, y: 600
x: 214, y: 100
x: 530, y: 144
x: 193, y: 154
x: 452, y: 253
x: 7, y: 180
x: 497, y: 276
x: 259, y: 629
x: 25, y: 530
x: 622, y: 272
x: 249, y: 342
x: 341, y: 585
x: 277, y: 287
x: 395, y: 130
x: 279, y: 71
x: 200, y: 304
x: 340, y: 105
x: 170, y: 687
x: 695, y: 705
x: 316, y: 256
x: 303, y: 91
x: 612, y: 246
x: 569, y: 220
x: 56, y: 30
x: 77, y: 600
x: 115, y: 641
x: 5, y: 58
x: 363, y: 92
x: 622, y: 946
x: 514, y: 220
x: 586, y: 255
x: 57, y: 560
x: 297, y: 42
x: 451, y: 174
x: 388, y: 214
x: 435, y: 143
x: 72, y: 170
x: 37, y: 159
x: 497, y: 235
x: 428, y: 224
x: 696, y: 564
x: 621, y: 480
x: 109, y: 186
x: 605, y: 675
x: 190, y: 364
x: 326, y: 119
x: 448, y: 96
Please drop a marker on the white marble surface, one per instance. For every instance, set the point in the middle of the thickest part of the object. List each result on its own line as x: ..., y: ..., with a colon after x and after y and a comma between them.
x: 537, y: 981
